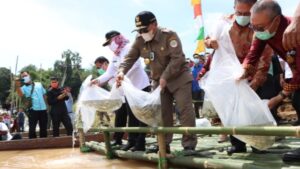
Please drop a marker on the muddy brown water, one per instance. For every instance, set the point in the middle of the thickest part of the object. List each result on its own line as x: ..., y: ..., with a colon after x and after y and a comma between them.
x: 66, y: 158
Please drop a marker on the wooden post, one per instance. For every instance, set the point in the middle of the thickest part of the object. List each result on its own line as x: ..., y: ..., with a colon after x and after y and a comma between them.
x: 162, y: 155
x: 109, y: 153
x: 81, y: 138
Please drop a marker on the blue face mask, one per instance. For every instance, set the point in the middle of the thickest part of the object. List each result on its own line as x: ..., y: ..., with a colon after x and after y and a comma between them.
x: 101, y: 71
x: 265, y: 35
x: 242, y: 20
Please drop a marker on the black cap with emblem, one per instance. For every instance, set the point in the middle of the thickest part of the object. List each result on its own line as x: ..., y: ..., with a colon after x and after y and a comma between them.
x: 109, y: 35
x: 143, y: 19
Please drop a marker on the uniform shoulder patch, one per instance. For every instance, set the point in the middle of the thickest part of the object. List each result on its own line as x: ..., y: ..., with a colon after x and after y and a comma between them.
x: 173, y: 43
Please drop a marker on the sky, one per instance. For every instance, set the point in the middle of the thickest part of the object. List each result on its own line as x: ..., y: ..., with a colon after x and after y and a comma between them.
x: 38, y: 31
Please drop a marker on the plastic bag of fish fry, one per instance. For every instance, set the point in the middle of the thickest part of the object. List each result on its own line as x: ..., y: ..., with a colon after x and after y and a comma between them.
x: 93, y: 98
x: 145, y: 106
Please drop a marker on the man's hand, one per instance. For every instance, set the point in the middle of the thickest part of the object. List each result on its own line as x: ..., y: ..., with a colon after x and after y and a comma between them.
x: 242, y: 77
x: 291, y: 36
x: 277, y: 99
x: 162, y: 83
x: 119, y: 78
x: 94, y: 82
x: 211, y: 43
x: 61, y: 96
x: 274, y: 101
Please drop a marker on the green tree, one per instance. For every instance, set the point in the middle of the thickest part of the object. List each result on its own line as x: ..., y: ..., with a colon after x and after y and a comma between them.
x: 5, y: 84
x: 69, y: 70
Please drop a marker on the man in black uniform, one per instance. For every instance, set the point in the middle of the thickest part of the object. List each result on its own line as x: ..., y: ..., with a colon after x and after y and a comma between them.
x: 56, y: 97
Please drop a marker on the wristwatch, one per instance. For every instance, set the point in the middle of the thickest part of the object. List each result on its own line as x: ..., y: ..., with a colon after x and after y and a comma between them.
x: 283, y: 95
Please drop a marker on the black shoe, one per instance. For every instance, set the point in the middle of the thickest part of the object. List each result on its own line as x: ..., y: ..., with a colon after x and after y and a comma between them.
x: 234, y: 149
x: 279, y: 138
x: 127, y: 146
x: 155, y: 149
x: 189, y: 151
x: 296, y: 123
x: 133, y: 149
x: 257, y: 151
x: 292, y: 156
x: 188, y: 148
x: 116, y: 143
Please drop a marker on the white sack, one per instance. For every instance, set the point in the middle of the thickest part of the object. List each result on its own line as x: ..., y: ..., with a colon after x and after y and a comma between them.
x: 93, y: 98
x: 236, y: 103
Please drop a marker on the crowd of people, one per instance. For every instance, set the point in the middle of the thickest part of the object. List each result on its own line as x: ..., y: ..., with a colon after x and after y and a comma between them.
x: 56, y: 101
x: 262, y: 40
x: 265, y: 42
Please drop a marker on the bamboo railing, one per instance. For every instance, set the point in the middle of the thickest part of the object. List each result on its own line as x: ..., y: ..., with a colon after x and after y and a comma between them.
x: 259, y: 131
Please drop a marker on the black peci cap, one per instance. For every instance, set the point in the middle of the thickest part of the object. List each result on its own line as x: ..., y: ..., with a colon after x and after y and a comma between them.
x: 109, y: 35
x: 143, y: 19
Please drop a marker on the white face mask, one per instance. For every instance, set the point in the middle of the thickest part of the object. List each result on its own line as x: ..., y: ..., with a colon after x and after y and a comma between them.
x: 196, y: 61
x: 27, y: 79
x: 148, y: 36
x: 113, y: 46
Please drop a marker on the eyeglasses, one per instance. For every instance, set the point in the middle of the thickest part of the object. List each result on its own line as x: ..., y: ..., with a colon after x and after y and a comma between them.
x: 143, y: 30
x: 257, y: 28
x: 242, y: 13
x: 262, y: 28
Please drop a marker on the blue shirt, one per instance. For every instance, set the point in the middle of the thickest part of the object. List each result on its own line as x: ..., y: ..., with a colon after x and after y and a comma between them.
x: 69, y: 104
x: 38, y: 102
x: 195, y: 71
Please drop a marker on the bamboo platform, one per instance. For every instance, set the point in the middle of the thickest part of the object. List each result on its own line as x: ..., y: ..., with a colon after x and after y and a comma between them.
x: 211, y: 154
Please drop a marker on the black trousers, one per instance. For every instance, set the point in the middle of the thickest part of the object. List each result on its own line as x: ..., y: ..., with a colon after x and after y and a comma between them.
x: 198, y: 96
x: 137, y: 139
x: 41, y: 117
x: 270, y: 89
x: 21, y: 127
x: 57, y: 118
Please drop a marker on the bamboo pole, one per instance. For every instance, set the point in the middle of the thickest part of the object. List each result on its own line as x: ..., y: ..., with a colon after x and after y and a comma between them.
x: 109, y: 153
x: 259, y: 131
x: 81, y: 138
x: 162, y: 155
x: 96, y: 146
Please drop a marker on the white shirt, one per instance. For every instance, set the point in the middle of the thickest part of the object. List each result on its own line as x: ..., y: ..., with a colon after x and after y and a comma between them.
x: 3, y: 127
x: 288, y: 74
x: 136, y: 74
